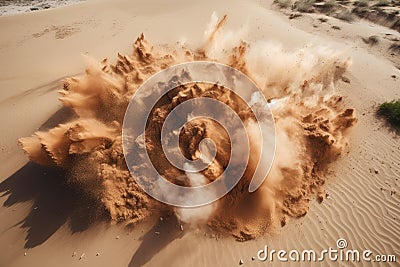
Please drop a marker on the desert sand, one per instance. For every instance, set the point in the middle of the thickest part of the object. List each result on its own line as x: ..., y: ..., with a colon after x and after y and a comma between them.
x: 45, y: 223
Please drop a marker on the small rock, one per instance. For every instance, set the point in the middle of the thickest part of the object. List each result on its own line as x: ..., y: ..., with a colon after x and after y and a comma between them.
x: 336, y: 27
x: 81, y: 257
x: 393, y: 76
x: 35, y: 208
x: 376, y: 171
x: 25, y: 253
x: 323, y: 19
x: 74, y: 254
x: 97, y: 254
x: 252, y: 258
x: 283, y: 221
x: 181, y: 226
x: 161, y: 219
x: 294, y: 15
x: 320, y: 198
x: 157, y: 233
x: 117, y: 237
x: 34, y: 8
x: 345, y: 79
x: 240, y: 262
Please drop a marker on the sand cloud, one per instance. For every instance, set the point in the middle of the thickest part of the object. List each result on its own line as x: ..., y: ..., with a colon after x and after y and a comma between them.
x: 311, y: 124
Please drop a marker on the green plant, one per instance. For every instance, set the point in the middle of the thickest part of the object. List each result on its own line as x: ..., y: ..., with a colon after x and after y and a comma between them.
x: 391, y: 111
x: 305, y: 5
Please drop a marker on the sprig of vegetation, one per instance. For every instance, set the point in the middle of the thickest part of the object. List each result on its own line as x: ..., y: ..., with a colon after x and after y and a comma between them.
x: 372, y: 40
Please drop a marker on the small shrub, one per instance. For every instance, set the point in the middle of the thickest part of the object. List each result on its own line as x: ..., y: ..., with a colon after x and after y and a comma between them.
x: 361, y: 11
x: 305, y: 5
x: 391, y: 111
x: 283, y: 3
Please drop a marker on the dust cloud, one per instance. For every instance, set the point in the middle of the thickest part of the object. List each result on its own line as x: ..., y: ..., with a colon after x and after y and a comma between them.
x: 311, y: 124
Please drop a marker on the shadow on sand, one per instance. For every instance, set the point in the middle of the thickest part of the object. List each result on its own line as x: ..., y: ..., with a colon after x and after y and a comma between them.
x: 54, y: 201
x: 155, y: 240
x: 393, y: 129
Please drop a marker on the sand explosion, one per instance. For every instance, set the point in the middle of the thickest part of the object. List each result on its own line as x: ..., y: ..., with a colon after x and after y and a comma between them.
x: 310, y: 119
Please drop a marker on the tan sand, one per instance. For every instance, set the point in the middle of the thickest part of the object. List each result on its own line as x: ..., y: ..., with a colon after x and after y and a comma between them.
x: 40, y: 214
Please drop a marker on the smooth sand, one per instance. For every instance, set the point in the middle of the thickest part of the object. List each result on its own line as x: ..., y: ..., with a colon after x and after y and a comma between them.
x: 38, y: 50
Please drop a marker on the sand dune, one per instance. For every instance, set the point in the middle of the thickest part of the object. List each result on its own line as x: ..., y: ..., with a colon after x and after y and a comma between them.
x: 49, y: 221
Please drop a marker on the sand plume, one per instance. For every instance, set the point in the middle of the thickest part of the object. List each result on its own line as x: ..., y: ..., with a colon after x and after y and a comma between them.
x: 311, y: 124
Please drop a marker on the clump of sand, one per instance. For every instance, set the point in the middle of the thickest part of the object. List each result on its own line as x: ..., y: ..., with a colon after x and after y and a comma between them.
x: 311, y: 124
